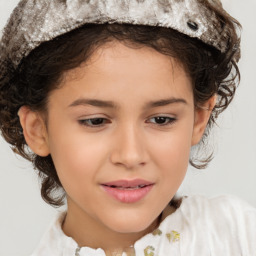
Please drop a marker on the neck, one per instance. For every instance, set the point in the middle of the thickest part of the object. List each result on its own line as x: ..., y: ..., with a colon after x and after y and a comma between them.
x: 87, y: 231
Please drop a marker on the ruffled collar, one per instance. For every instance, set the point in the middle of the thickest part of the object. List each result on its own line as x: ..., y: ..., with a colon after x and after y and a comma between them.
x: 164, y: 235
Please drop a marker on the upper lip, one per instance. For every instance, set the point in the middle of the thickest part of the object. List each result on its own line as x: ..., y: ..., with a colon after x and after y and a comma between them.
x: 128, y: 183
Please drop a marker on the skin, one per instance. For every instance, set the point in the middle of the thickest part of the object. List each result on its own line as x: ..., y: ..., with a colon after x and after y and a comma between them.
x: 129, y: 144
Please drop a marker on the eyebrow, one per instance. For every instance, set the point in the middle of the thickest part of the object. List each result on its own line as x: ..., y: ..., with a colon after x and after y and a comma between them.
x: 164, y: 102
x: 93, y: 102
x: 111, y: 104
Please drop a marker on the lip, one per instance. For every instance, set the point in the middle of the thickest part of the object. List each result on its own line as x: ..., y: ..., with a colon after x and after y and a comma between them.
x: 128, y: 191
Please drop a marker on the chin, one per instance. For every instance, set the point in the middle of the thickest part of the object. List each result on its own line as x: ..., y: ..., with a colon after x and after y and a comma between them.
x: 133, y: 225
x: 128, y: 229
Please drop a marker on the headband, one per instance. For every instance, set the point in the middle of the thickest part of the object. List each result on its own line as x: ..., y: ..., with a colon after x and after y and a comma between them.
x: 36, y: 21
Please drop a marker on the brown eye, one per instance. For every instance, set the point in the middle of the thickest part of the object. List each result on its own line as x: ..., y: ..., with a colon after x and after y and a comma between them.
x: 93, y: 122
x: 162, y: 120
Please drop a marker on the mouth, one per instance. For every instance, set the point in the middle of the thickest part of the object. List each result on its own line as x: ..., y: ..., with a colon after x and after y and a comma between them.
x: 126, y: 188
x: 128, y: 191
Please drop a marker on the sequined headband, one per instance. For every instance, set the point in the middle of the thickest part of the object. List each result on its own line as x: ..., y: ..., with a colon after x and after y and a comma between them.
x: 37, y: 21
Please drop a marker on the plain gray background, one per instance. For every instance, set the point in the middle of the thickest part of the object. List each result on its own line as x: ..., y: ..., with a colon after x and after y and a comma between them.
x: 23, y: 214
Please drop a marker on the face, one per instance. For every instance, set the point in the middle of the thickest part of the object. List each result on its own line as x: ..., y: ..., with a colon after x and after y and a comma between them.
x: 120, y: 129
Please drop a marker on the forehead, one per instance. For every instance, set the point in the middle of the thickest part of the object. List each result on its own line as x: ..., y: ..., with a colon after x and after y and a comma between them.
x: 118, y: 71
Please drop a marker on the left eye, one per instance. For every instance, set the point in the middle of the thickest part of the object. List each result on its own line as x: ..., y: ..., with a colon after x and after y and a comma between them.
x: 162, y: 120
x: 93, y: 122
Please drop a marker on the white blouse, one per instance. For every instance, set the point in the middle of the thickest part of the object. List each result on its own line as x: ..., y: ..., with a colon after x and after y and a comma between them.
x: 219, y: 226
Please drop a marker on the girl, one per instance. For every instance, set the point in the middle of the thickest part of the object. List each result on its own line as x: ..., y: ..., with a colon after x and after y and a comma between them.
x: 106, y: 98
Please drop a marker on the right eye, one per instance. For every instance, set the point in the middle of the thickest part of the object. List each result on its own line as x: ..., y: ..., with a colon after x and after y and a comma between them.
x: 93, y: 122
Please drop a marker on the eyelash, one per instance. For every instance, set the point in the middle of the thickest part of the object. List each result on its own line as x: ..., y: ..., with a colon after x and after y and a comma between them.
x: 84, y: 122
x: 170, y: 122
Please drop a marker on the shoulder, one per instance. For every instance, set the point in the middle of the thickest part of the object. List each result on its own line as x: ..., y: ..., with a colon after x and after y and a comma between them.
x: 219, y: 206
x: 221, y: 202
x: 222, y: 222
x: 54, y: 241
x: 225, y: 209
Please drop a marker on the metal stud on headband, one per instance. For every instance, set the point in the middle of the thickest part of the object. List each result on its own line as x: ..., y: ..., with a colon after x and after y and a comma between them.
x: 37, y: 21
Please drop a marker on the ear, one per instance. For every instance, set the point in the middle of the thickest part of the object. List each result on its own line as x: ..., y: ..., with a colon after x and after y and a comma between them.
x: 34, y: 131
x: 202, y: 116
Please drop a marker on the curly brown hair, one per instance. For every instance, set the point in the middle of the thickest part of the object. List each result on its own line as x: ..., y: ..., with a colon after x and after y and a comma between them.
x: 212, y: 73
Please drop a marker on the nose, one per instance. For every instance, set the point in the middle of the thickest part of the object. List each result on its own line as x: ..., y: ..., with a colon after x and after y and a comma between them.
x: 129, y: 149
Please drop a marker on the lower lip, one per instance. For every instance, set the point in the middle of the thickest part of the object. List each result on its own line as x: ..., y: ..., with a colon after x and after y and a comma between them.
x: 128, y: 195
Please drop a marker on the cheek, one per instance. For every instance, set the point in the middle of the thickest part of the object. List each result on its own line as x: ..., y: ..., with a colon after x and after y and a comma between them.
x: 171, y: 154
x: 173, y: 148
x: 77, y: 158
